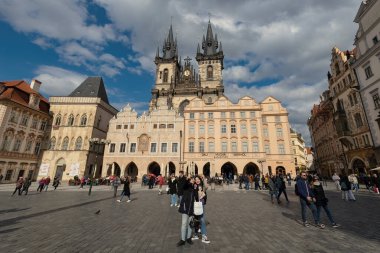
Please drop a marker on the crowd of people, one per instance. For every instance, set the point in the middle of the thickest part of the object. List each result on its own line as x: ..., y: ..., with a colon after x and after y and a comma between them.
x: 23, y: 184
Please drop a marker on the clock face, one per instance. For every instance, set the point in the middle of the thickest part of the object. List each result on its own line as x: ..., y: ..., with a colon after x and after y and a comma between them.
x: 187, y: 72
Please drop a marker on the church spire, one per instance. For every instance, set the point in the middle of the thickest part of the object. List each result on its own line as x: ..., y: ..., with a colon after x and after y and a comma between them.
x: 210, y: 43
x: 170, y: 45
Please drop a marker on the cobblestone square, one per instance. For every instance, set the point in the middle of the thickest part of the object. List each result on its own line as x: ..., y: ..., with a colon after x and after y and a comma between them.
x: 240, y: 221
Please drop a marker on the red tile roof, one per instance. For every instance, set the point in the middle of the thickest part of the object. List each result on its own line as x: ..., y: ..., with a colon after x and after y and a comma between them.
x: 19, y: 91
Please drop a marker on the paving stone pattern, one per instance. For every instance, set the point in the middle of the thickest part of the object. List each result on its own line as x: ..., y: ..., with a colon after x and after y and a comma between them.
x: 240, y: 221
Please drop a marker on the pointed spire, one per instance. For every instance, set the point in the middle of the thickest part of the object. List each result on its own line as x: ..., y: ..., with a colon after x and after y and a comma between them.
x: 198, y: 49
x: 158, y: 52
x: 209, y: 36
x: 220, y: 47
x: 170, y: 35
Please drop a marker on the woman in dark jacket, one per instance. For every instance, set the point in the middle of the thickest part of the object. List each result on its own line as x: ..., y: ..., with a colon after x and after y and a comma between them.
x: 172, y: 183
x: 186, y: 208
x: 345, y: 186
x: 126, y: 190
x: 321, y: 201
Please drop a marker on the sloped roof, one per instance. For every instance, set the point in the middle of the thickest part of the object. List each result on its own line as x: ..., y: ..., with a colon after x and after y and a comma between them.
x: 19, y: 91
x: 91, y: 87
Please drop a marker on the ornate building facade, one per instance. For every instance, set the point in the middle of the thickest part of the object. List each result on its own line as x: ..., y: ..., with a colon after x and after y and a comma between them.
x: 298, y: 149
x: 80, y: 122
x: 24, y: 129
x: 367, y: 66
x: 192, y: 126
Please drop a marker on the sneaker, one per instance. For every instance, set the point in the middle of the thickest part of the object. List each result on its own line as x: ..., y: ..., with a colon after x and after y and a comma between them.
x: 205, y: 239
x: 305, y: 224
x: 189, y: 241
x: 322, y: 226
x: 171, y: 205
x: 180, y: 243
x: 128, y: 200
x: 118, y: 200
x: 194, y: 237
x: 335, y: 225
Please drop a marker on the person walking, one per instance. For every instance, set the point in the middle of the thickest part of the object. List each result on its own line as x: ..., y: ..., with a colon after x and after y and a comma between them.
x: 336, y: 180
x: 180, y: 185
x: 56, y: 183
x: 186, y: 208
x: 307, y: 199
x: 115, y: 184
x: 257, y: 182
x: 280, y: 184
x: 41, y: 184
x: 82, y: 182
x: 251, y: 180
x: 19, y: 184
x: 172, y: 183
x: 201, y: 196
x: 272, y: 188
x: 321, y: 201
x: 345, y: 186
x: 46, y: 184
x: 26, y: 185
x: 289, y: 179
x: 160, y: 183
x: 126, y: 190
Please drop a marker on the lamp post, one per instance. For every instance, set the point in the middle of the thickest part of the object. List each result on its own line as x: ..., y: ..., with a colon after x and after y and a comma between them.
x: 261, y: 161
x: 96, y: 143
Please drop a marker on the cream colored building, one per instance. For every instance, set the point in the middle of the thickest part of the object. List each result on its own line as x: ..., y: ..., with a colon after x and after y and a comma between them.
x: 25, y: 120
x: 298, y: 150
x: 77, y: 119
x: 367, y: 67
x: 350, y: 120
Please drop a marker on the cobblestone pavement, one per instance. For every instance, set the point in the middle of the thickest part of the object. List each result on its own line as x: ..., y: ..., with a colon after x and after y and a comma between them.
x: 240, y: 221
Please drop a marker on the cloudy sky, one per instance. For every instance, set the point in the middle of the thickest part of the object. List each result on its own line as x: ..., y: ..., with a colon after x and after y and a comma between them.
x: 280, y: 48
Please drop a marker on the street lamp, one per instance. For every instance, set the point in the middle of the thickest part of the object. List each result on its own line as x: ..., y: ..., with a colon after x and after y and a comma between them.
x: 96, y: 143
x: 261, y: 161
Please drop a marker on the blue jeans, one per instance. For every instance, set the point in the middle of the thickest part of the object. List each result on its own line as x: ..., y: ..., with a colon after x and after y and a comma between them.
x: 327, y: 210
x: 173, y: 199
x: 313, y: 209
x: 179, y: 199
x: 203, y: 223
x: 185, y: 227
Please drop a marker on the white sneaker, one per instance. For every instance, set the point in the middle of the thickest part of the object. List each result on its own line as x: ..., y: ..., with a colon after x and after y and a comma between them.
x: 128, y: 200
x: 194, y: 237
x: 118, y: 200
x: 171, y: 205
x: 205, y: 239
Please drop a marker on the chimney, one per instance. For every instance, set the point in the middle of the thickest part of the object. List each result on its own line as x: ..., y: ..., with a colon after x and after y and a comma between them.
x: 35, y: 85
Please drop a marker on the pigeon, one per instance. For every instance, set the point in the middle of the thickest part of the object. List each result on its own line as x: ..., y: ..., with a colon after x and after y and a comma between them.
x: 97, y: 212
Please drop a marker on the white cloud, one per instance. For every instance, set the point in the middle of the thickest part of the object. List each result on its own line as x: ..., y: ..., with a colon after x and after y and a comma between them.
x: 57, y: 81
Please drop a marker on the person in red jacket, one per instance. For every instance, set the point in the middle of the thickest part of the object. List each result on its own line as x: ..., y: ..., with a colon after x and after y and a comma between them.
x: 41, y: 184
x: 160, y: 182
x: 47, y: 182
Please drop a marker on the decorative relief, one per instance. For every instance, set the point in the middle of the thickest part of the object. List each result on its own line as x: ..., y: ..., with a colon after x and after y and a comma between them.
x: 143, y: 144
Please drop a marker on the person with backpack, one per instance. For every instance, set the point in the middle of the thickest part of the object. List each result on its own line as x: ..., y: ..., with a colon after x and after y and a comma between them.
x: 321, y: 201
x: 307, y: 199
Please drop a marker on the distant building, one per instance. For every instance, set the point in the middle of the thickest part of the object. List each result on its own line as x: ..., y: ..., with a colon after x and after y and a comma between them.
x: 24, y: 121
x: 78, y: 118
x: 298, y: 150
x: 367, y: 68
x: 309, y: 158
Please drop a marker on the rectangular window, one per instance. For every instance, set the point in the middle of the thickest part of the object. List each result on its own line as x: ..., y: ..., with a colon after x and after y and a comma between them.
x: 132, y: 148
x: 191, y: 115
x: 17, y: 145
x: 223, y: 115
x: 243, y: 129
x: 211, y: 147
x: 170, y: 125
x: 201, y: 115
x: 162, y: 126
x: 37, y: 148
x: 224, y: 146
x: 164, y: 147
x: 264, y: 119
x: 202, y: 129
x: 122, y: 147
x: 224, y: 129
x: 132, y: 126
x: 191, y: 146
x: 232, y: 115
x: 210, y: 129
x: 265, y: 132
x: 34, y: 123
x: 279, y: 132
x: 255, y: 146
x: 242, y: 114
x: 191, y: 129
x: 210, y: 115
x: 201, y: 147
x: 153, y: 147
x: 245, y: 146
x: 174, y: 147
x: 267, y: 149
x: 351, y: 101
x: 252, y: 114
x: 376, y: 100
x: 118, y: 126
x: 253, y: 129
x: 24, y: 120
x: 368, y: 72
x: 233, y: 129
x: 126, y: 126
x: 234, y: 146
x: 112, y: 147
x: 278, y: 119
x: 281, y: 149
x: 8, y: 175
x: 154, y: 126
x: 28, y: 146
x: 43, y: 125
x: 354, y: 95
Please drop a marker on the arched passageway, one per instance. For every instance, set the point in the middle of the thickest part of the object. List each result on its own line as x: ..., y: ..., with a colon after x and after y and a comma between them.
x: 280, y: 169
x: 228, y: 170
x: 131, y: 170
x: 171, y: 168
x: 358, y: 166
x: 154, y: 168
x: 251, y: 169
x: 116, y: 169
x: 206, y: 170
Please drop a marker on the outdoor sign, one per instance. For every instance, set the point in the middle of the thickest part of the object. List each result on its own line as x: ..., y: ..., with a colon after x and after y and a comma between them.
x: 74, y: 170
x: 44, y: 170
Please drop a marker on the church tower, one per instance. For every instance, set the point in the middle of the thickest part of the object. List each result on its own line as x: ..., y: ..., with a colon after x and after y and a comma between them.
x: 210, y: 62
